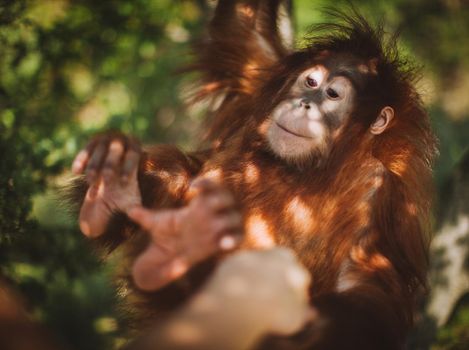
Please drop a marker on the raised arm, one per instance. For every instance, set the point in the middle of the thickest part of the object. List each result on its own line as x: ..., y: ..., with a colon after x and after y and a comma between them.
x: 244, y: 39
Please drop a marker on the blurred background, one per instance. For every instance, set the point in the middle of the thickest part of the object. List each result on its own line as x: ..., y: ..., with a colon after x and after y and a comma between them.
x: 71, y: 68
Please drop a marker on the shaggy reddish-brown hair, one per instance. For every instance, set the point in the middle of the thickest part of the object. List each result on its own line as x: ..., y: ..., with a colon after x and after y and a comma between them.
x: 358, y: 220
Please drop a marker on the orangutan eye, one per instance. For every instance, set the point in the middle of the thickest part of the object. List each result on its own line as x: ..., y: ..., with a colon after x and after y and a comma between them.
x: 332, y: 93
x: 311, y: 82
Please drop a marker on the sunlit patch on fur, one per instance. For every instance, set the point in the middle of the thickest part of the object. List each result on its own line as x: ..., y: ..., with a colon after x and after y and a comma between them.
x: 368, y: 68
x: 363, y: 211
x: 258, y: 233
x: 251, y: 173
x: 358, y: 254
x: 245, y: 11
x: 373, y: 262
x: 363, y: 68
x: 210, y: 87
x: 379, y: 262
x: 411, y: 209
x: 250, y: 70
x: 214, y: 175
x: 173, y: 182
x: 346, y: 280
x: 216, y: 143
x: 262, y: 129
x: 300, y: 214
x: 378, y: 181
x: 400, y: 162
x: 164, y: 175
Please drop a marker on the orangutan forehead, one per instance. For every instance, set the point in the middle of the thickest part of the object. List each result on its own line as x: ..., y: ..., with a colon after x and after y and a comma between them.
x: 355, y: 69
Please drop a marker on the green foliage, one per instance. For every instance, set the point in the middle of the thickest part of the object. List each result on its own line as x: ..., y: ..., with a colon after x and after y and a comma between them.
x: 69, y: 69
x: 455, y: 335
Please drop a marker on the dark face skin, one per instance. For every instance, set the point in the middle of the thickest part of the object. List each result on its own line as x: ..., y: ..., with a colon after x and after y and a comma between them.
x: 319, y: 103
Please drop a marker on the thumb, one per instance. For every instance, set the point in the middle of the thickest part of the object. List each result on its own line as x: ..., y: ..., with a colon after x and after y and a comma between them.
x: 141, y: 216
x: 200, y: 186
x: 158, y: 223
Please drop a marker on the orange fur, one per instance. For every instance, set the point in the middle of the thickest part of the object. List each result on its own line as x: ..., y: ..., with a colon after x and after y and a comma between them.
x: 358, y: 220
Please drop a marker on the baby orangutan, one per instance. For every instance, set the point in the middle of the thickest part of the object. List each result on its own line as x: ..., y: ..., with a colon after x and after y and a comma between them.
x: 326, y: 150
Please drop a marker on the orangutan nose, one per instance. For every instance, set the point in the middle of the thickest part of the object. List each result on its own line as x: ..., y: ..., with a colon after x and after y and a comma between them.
x: 305, y: 104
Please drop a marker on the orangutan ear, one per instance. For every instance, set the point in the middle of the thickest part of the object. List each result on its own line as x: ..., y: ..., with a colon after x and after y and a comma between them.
x: 382, y: 122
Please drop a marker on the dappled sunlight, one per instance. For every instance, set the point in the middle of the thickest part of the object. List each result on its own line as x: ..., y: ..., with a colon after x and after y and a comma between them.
x: 258, y: 232
x: 411, y: 208
x: 346, y: 280
x: 262, y: 129
x: 171, y: 183
x: 400, y: 162
x: 116, y: 97
x: 251, y: 174
x: 177, y: 33
x: 300, y: 214
x: 316, y: 128
x: 210, y: 87
x: 369, y: 261
x: 379, y: 262
x: 378, y: 181
x: 79, y: 79
x: 363, y: 213
x: 177, y: 182
x: 215, y: 175
x: 70, y: 70
x: 163, y: 175
x: 111, y: 99
x: 249, y: 71
x: 46, y: 13
x: 369, y: 68
x: 216, y: 143
x: 244, y: 10
x: 93, y: 114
